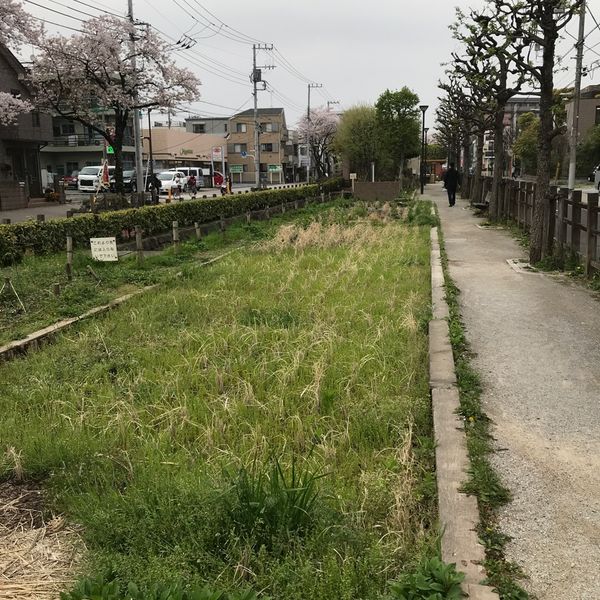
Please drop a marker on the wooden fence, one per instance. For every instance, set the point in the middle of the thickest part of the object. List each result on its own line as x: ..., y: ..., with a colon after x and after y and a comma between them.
x: 571, y: 225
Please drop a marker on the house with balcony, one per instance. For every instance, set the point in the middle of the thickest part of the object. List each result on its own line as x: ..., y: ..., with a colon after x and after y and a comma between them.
x: 273, y: 138
x: 74, y: 146
x: 20, y: 172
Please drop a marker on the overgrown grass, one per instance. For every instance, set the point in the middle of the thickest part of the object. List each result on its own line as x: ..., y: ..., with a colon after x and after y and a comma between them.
x: 35, y: 276
x: 260, y: 423
x: 483, y: 481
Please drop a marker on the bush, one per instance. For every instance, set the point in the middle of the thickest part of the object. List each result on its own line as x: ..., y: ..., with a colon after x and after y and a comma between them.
x: 434, y: 580
x: 50, y: 236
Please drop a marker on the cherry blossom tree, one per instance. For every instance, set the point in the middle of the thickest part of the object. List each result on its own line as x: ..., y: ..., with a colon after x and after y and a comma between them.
x: 11, y: 108
x: 321, y: 130
x: 83, y: 76
x: 17, y: 26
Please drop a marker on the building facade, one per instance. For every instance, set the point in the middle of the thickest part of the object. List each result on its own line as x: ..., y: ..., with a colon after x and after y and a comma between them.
x: 273, y: 139
x: 20, y: 171
x: 209, y: 125
x: 515, y: 107
x: 74, y: 146
x: 589, y: 111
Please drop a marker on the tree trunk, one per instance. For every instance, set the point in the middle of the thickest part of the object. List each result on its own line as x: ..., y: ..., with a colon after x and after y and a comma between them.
x: 494, y: 211
x: 466, y: 157
x: 476, y: 188
x: 120, y: 125
x: 538, y: 240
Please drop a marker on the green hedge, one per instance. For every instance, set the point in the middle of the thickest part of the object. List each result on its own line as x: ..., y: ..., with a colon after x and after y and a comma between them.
x: 50, y: 236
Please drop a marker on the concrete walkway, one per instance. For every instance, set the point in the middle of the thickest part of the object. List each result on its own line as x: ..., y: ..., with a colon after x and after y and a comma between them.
x: 536, y: 340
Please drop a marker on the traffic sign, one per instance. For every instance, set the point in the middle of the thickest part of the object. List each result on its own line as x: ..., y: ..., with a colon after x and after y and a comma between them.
x: 110, y: 150
x: 236, y: 168
x: 243, y: 154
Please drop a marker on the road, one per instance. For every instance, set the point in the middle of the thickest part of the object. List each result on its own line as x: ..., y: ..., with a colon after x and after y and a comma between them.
x: 51, y: 210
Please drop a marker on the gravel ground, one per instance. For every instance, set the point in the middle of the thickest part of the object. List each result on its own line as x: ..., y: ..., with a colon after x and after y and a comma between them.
x: 536, y: 340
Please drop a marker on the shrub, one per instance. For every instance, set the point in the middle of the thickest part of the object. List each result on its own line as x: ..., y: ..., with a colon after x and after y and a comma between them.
x: 434, y: 580
x: 49, y: 236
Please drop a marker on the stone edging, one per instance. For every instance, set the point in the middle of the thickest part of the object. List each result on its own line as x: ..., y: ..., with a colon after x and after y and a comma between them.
x: 458, y: 512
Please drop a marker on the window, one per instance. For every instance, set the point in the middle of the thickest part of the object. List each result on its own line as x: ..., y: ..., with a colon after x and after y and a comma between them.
x: 68, y: 128
x: 269, y: 127
x: 240, y: 127
x: 72, y: 166
x: 199, y: 128
x: 266, y: 147
x: 238, y: 148
x: 263, y: 167
x: 56, y: 131
x: 35, y: 118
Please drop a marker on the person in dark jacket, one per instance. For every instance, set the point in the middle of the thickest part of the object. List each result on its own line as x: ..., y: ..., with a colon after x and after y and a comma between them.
x: 451, y: 182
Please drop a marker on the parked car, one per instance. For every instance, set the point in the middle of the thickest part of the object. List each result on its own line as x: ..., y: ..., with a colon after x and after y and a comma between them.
x: 202, y: 175
x: 168, y: 181
x: 70, y: 181
x: 89, y: 178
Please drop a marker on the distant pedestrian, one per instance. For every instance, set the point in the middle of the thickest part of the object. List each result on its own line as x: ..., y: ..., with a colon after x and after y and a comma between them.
x: 178, y: 186
x: 192, y: 187
x: 155, y: 185
x: 451, y: 182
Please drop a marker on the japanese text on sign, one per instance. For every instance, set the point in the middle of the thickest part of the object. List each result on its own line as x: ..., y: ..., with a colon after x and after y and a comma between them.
x: 104, y: 249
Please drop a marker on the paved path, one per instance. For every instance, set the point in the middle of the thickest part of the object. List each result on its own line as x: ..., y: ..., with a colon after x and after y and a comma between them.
x: 536, y: 340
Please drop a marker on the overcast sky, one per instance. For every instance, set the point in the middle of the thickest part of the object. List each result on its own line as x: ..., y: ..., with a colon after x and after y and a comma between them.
x: 356, y: 49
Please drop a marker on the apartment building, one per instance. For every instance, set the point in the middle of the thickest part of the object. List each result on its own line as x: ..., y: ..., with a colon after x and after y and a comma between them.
x: 589, y: 111
x: 209, y: 125
x: 20, y: 173
x: 74, y: 146
x: 274, y: 147
x: 515, y: 107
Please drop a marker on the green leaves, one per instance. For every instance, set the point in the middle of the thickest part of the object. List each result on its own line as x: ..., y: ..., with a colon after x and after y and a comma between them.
x: 434, y: 580
x: 103, y: 588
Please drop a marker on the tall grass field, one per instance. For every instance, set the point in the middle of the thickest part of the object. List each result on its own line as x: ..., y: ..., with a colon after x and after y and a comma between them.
x: 261, y: 423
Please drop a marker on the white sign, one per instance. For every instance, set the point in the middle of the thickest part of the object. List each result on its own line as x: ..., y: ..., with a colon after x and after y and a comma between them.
x: 217, y: 153
x: 353, y: 176
x: 104, y: 249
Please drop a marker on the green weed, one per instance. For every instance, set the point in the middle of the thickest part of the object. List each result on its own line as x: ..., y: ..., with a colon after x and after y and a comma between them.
x: 434, y: 580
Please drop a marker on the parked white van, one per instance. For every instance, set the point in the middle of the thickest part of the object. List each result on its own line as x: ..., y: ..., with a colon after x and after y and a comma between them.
x: 198, y: 172
x: 89, y: 178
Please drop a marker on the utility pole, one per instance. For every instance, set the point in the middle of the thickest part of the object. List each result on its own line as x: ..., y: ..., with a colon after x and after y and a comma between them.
x: 310, y: 86
x: 330, y: 102
x: 576, y: 99
x: 256, y: 78
x: 137, y: 133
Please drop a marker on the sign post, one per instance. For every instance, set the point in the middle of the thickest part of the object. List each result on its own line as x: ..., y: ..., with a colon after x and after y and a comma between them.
x: 353, y: 179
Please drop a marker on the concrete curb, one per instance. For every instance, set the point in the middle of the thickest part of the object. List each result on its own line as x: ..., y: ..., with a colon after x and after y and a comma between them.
x: 37, y: 338
x: 458, y: 512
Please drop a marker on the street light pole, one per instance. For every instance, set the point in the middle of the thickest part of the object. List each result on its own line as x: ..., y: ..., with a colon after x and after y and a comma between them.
x: 423, y: 108
x: 576, y: 100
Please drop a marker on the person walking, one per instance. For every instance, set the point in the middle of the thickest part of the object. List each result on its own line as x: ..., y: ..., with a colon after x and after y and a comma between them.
x: 191, y: 185
x: 451, y: 182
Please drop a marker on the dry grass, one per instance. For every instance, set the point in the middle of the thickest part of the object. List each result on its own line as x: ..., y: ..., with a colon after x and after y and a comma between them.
x: 37, y: 558
x: 318, y: 235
